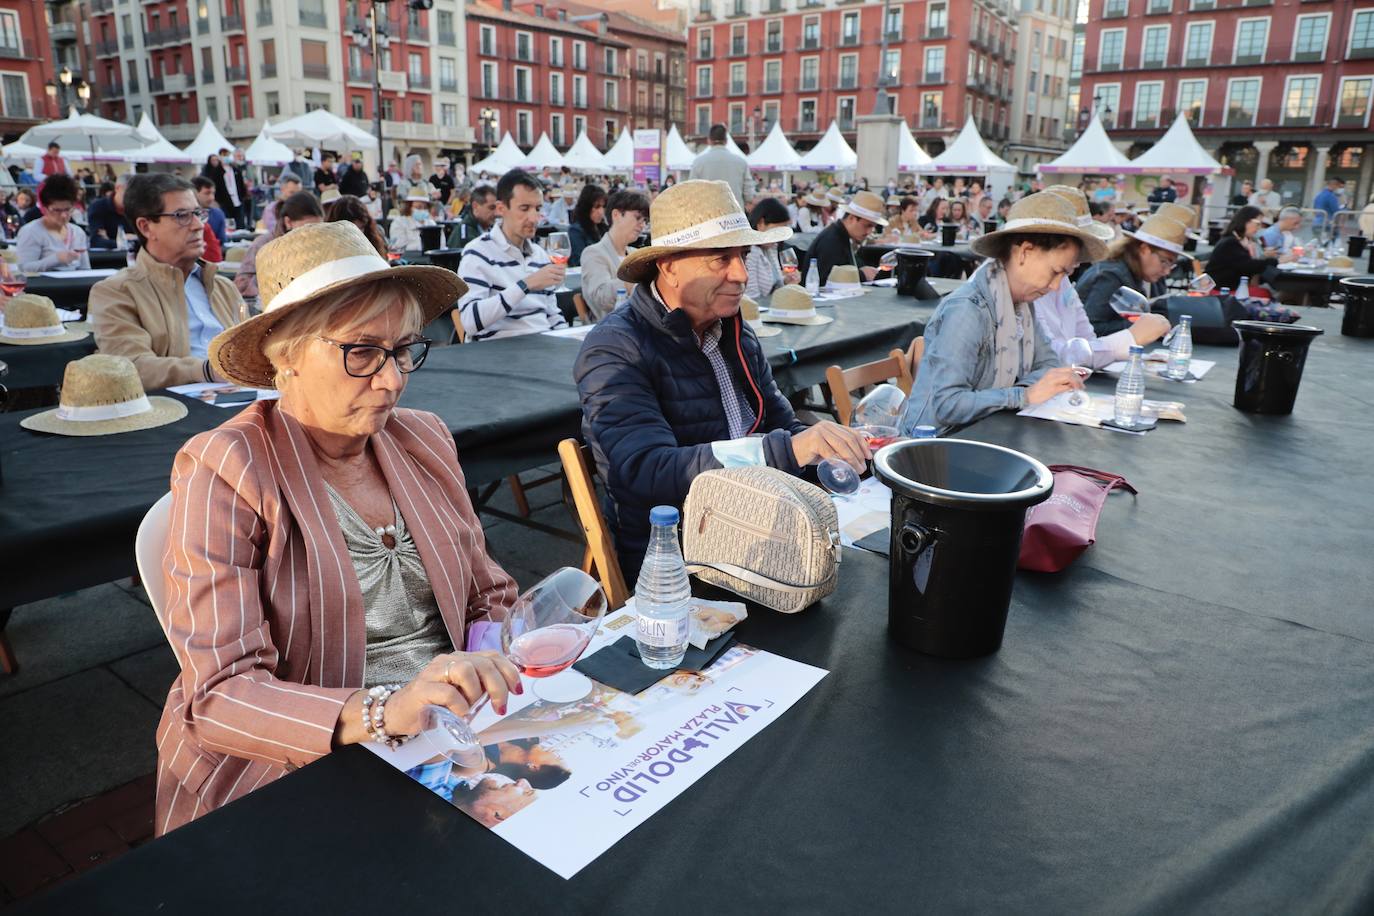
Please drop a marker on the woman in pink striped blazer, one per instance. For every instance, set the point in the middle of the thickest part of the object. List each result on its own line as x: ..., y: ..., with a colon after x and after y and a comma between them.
x: 321, y: 544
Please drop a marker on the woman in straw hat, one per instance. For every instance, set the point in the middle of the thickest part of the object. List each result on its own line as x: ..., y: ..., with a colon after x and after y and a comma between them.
x: 1141, y: 259
x: 405, y: 227
x: 323, y: 557
x: 675, y: 382
x: 1059, y: 313
x: 1238, y: 253
x: 983, y: 352
x: 300, y: 209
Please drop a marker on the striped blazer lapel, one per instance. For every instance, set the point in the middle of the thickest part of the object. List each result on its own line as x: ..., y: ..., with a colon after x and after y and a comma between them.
x: 405, y: 455
x: 337, y: 615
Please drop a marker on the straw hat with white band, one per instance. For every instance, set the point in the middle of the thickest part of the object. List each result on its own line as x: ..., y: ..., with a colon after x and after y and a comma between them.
x: 844, y: 278
x: 30, y: 320
x: 330, y: 194
x: 793, y: 305
x: 749, y: 311
x: 1183, y: 214
x: 1162, y: 232
x: 834, y: 197
x: 867, y: 205
x: 1043, y: 214
x: 815, y: 199
x: 1079, y: 201
x: 302, y: 268
x: 417, y: 196
x: 101, y: 396
x: 694, y: 216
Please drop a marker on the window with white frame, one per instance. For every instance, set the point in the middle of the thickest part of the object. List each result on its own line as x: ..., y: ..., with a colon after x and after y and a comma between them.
x: 556, y: 129
x: 522, y: 85
x: 739, y: 39
x: 524, y: 46
x: 580, y: 55
x: 448, y: 74
x: 1242, y: 102
x: 892, y: 66
x: 523, y: 120
x: 610, y: 94
x: 1198, y: 47
x: 555, y: 51
x: 738, y: 85
x: 844, y: 111
x: 1192, y: 98
x: 579, y: 125
x: 704, y: 81
x: 1251, y: 37
x: 555, y: 89
x: 486, y: 40
x: 1148, y: 98
x: 936, y: 19
x: 849, y: 72
x: 1109, y: 109
x: 935, y: 64
x: 1354, y: 101
x: 14, y: 90
x: 448, y: 114
x: 811, y: 32
x: 772, y: 76
x: 703, y: 116
x: 806, y: 115
x: 931, y: 103
x: 1362, y: 34
x: 1309, y: 39
x: 1154, y: 46
x: 1111, y: 49
x: 579, y: 91
x: 810, y: 74
x: 490, y: 85
x: 772, y: 36
x: 1300, y: 99
x: 736, y: 117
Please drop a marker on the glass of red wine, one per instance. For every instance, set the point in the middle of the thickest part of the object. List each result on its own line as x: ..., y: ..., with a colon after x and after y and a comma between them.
x: 546, y: 630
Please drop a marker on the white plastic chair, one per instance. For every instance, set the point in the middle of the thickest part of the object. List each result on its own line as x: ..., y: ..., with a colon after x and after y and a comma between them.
x: 149, y: 545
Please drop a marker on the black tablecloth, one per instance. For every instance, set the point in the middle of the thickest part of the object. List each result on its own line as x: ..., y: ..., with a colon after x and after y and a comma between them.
x: 42, y: 366
x: 65, y: 292
x: 1127, y: 750
x: 108, y: 258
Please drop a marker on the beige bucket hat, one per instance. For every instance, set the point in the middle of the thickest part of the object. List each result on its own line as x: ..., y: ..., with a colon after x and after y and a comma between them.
x: 844, y: 278
x: 749, y: 311
x: 867, y: 205
x: 794, y: 305
x: 31, y: 320
x: 1046, y: 213
x: 308, y: 265
x: 1162, y: 232
x: 693, y: 216
x: 1079, y: 201
x: 101, y: 396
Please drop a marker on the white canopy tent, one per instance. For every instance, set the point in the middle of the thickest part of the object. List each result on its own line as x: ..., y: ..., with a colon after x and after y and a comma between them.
x: 583, y: 156
x: 969, y: 155
x: 910, y: 156
x: 775, y: 154
x: 505, y: 157
x: 264, y: 150
x: 1091, y: 154
x: 207, y: 143
x: 677, y: 154
x: 158, y: 149
x: 19, y: 151
x: 78, y: 132
x: 1177, y: 151
x: 324, y: 129
x: 544, y: 155
x: 621, y: 156
x: 832, y: 154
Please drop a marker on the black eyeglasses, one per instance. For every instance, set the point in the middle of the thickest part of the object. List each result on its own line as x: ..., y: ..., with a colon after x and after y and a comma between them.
x: 184, y: 217
x: 366, y: 360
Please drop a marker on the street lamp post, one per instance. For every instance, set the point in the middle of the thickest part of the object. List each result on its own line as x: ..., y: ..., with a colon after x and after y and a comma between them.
x: 754, y: 117
x: 881, y: 105
x: 65, y: 77
x: 374, y: 41
x: 488, y: 116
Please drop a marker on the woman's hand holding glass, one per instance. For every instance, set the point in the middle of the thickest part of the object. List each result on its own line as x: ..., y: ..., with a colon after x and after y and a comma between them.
x: 456, y: 682
x: 1052, y: 383
x: 1078, y: 353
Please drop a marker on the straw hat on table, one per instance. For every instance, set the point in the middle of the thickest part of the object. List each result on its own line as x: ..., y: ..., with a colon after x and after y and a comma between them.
x: 749, y: 311
x: 306, y: 266
x: 844, y: 278
x: 694, y: 216
x: 794, y: 305
x: 101, y: 396
x: 867, y: 205
x: 31, y: 320
x: 1042, y: 213
x: 1082, y: 215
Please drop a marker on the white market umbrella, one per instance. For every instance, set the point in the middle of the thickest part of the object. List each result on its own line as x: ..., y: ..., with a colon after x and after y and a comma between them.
x: 20, y: 151
x: 84, y: 131
x: 677, y: 153
x: 910, y: 156
x: 775, y: 154
x: 1091, y: 154
x: 544, y: 155
x: 583, y: 156
x: 1177, y: 151
x: 968, y: 154
x: 265, y: 150
x: 621, y: 156
x: 321, y: 128
x: 505, y: 157
x: 158, y: 148
x: 207, y: 143
x: 832, y: 154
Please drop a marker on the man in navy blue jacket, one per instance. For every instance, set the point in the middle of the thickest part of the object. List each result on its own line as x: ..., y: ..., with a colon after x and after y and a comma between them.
x: 674, y: 382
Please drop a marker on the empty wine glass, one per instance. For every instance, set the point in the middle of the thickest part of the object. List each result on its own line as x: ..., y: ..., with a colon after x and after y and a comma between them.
x: 838, y: 476
x: 1078, y: 353
x: 1129, y: 301
x: 543, y: 633
x: 787, y: 260
x: 1202, y: 283
x: 559, y: 247
x: 880, y: 407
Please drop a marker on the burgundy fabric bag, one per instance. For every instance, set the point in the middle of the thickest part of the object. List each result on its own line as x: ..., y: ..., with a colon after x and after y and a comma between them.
x: 1065, y: 525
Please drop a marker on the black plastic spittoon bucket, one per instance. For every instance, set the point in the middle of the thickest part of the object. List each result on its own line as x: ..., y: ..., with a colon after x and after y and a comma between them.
x: 1358, y: 320
x: 912, y: 266
x: 1272, y: 357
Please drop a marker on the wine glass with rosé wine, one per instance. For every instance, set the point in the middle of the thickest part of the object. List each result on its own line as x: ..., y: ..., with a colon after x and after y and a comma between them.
x: 559, y: 247
x: 545, y: 631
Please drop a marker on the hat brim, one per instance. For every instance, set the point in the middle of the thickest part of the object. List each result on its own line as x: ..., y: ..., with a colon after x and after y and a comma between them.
x: 164, y: 411
x: 236, y: 352
x: 780, y: 316
x: 638, y: 265
x: 1094, y: 248
x: 1154, y: 242
x: 876, y: 219
x: 1102, y: 231
x: 762, y: 330
x: 66, y: 336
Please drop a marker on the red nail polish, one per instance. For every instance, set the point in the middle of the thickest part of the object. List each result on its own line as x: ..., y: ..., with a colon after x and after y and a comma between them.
x: 501, y: 710
x: 520, y: 688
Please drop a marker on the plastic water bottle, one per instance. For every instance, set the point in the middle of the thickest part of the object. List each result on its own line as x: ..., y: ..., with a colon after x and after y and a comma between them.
x: 1130, y: 389
x: 662, y: 594
x: 1181, y: 349
x: 1243, y: 290
x: 622, y: 295
x: 129, y: 245
x: 813, y: 279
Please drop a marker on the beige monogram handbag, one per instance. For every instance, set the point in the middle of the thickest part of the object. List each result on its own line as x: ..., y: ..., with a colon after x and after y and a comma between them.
x: 763, y: 534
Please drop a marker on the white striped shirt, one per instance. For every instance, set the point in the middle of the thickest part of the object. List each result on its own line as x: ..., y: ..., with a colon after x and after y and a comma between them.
x: 496, y: 304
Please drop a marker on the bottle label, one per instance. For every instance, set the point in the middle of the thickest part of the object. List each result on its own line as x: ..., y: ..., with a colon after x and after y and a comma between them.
x: 661, y: 633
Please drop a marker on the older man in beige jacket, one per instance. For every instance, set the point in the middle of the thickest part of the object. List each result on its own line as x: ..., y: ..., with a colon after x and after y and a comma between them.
x: 718, y: 163
x: 162, y: 311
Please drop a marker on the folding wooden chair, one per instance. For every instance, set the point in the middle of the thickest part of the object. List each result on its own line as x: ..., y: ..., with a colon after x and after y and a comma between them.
x: 896, y: 367
x: 600, y: 559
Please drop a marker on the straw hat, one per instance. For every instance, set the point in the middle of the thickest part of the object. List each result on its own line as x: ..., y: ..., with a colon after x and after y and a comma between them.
x: 693, y: 216
x: 834, y: 197
x: 1183, y: 214
x: 1046, y: 213
x: 868, y: 205
x: 1079, y: 201
x: 417, y: 196
x: 844, y: 276
x: 1161, y: 232
x: 310, y: 264
x: 749, y: 311
x: 441, y: 163
x: 329, y: 194
x: 101, y: 396
x: 793, y: 305
x: 30, y: 320
x: 815, y: 199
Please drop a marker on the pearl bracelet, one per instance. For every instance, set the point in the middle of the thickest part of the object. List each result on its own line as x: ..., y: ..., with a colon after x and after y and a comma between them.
x: 374, y: 715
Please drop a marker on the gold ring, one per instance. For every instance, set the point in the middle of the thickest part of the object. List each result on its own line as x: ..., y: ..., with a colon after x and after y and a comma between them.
x: 447, y: 669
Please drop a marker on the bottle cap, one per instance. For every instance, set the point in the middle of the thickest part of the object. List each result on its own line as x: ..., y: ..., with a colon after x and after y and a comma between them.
x: 663, y: 515
x: 1137, y: 350
x: 1185, y: 317
x: 923, y: 432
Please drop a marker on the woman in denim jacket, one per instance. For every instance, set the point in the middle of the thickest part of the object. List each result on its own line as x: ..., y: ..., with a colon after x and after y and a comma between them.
x: 983, y: 352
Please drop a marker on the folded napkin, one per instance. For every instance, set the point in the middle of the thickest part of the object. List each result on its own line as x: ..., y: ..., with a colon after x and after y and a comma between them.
x: 617, y: 665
